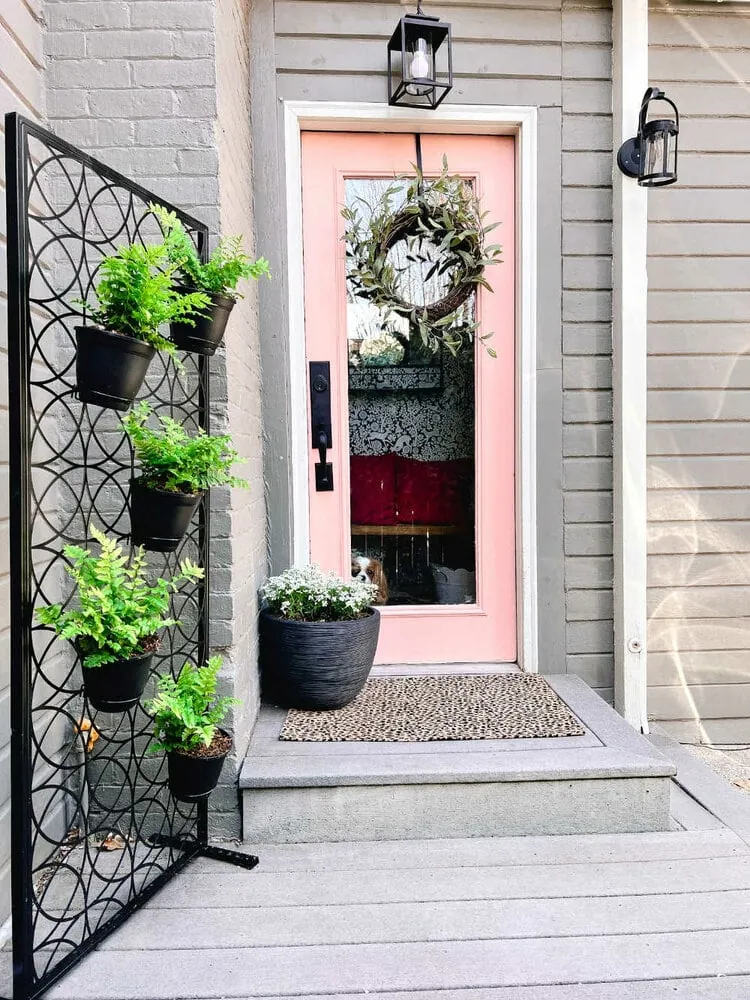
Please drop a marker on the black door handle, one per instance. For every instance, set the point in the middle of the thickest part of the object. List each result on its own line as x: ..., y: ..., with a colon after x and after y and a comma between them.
x: 322, y: 446
x: 320, y: 422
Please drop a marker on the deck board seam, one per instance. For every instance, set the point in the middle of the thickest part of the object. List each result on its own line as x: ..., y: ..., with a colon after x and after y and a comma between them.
x: 292, y: 946
x: 471, y: 899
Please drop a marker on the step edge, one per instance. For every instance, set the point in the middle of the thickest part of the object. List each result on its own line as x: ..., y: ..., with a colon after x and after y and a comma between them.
x: 624, y: 771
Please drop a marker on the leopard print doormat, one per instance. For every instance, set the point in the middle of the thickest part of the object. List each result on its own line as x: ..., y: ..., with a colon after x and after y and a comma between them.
x: 445, y: 707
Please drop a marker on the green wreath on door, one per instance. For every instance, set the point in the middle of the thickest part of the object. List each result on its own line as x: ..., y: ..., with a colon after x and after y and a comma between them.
x: 441, y: 214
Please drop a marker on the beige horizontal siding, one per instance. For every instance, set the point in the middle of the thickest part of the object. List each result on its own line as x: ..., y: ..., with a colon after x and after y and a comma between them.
x: 698, y: 504
x: 681, y: 635
x: 685, y: 438
x: 472, y: 90
x: 701, y: 239
x: 493, y: 58
x: 708, y: 701
x: 674, y: 537
x: 375, y: 20
x: 691, y: 404
x: 692, y: 338
x: 728, y: 170
x: 699, y: 570
x: 699, y: 471
x: 699, y: 602
x: 699, y: 667
x: 710, y: 205
x: 699, y: 383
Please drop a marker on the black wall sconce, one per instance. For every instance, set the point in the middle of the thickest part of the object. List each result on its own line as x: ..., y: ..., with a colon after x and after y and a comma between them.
x: 652, y: 155
x: 425, y: 74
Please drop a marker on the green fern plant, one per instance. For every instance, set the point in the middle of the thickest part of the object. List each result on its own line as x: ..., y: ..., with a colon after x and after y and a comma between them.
x: 119, y: 612
x: 136, y: 295
x: 186, y: 710
x: 173, y: 460
x: 225, y: 268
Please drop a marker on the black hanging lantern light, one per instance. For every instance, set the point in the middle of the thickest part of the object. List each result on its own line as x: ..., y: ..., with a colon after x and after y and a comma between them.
x: 425, y: 73
x: 651, y: 155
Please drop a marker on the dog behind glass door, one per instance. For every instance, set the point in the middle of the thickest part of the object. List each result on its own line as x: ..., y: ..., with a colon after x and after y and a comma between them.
x: 371, y: 571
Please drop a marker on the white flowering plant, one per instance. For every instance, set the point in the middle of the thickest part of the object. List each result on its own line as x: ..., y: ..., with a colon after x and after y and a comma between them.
x: 307, y: 594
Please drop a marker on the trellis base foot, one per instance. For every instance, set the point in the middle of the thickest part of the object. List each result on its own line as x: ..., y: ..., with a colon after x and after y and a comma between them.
x: 238, y: 858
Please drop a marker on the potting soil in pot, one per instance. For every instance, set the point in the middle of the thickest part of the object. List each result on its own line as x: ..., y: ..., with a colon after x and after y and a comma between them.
x: 220, y: 745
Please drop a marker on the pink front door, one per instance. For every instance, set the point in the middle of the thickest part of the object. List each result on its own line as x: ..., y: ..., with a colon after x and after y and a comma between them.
x: 423, y: 445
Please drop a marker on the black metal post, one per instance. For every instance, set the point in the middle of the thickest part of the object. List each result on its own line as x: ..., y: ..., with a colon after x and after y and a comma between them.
x: 16, y: 158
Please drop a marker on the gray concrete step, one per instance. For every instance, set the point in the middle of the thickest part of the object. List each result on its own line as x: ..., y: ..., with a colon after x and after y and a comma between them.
x: 610, y: 780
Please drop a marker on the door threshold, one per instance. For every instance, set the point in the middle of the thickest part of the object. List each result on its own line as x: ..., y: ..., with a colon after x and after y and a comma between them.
x: 436, y: 669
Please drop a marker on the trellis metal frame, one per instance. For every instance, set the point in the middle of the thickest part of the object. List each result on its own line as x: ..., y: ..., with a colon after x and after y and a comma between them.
x: 27, y: 983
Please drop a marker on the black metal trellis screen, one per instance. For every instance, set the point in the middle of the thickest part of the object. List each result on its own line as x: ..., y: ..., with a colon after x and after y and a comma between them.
x: 94, y: 830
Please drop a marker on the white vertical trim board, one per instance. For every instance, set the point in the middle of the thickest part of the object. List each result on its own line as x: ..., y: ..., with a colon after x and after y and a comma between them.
x: 526, y: 152
x: 297, y: 374
x: 629, y: 350
x: 455, y: 120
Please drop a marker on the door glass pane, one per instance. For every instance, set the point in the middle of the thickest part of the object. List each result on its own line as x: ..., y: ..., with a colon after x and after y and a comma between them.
x: 411, y: 438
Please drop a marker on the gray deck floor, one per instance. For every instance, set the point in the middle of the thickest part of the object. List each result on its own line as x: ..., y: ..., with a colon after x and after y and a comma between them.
x: 608, y: 917
x: 507, y: 918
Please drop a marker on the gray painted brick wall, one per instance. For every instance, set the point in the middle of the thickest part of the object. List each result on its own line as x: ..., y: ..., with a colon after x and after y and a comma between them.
x: 160, y: 90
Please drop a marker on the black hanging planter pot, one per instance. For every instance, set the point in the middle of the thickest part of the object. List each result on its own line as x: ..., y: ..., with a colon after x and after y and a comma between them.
x: 192, y: 777
x: 116, y: 687
x: 110, y: 367
x: 316, y: 665
x: 159, y: 518
x: 208, y: 332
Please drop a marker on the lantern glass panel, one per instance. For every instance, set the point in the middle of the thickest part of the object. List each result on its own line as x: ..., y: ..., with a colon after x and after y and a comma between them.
x: 658, y: 154
x: 420, y: 63
x: 653, y: 154
x: 420, y: 66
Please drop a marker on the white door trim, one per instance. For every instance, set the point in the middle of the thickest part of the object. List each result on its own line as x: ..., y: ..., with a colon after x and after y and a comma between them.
x: 302, y: 116
x: 629, y: 381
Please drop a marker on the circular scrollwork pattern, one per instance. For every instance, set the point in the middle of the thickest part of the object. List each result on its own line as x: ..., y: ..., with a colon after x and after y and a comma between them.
x: 101, y: 825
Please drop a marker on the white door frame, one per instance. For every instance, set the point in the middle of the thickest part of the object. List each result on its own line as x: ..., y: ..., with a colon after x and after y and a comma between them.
x: 521, y: 122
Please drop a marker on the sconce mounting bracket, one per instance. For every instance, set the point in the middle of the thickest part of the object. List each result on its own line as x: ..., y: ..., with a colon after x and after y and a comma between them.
x: 629, y: 157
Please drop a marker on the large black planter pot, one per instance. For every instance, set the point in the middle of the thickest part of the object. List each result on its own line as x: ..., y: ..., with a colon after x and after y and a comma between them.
x: 116, y: 687
x: 159, y: 518
x: 192, y: 779
x: 316, y: 665
x: 208, y: 332
x: 110, y: 367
